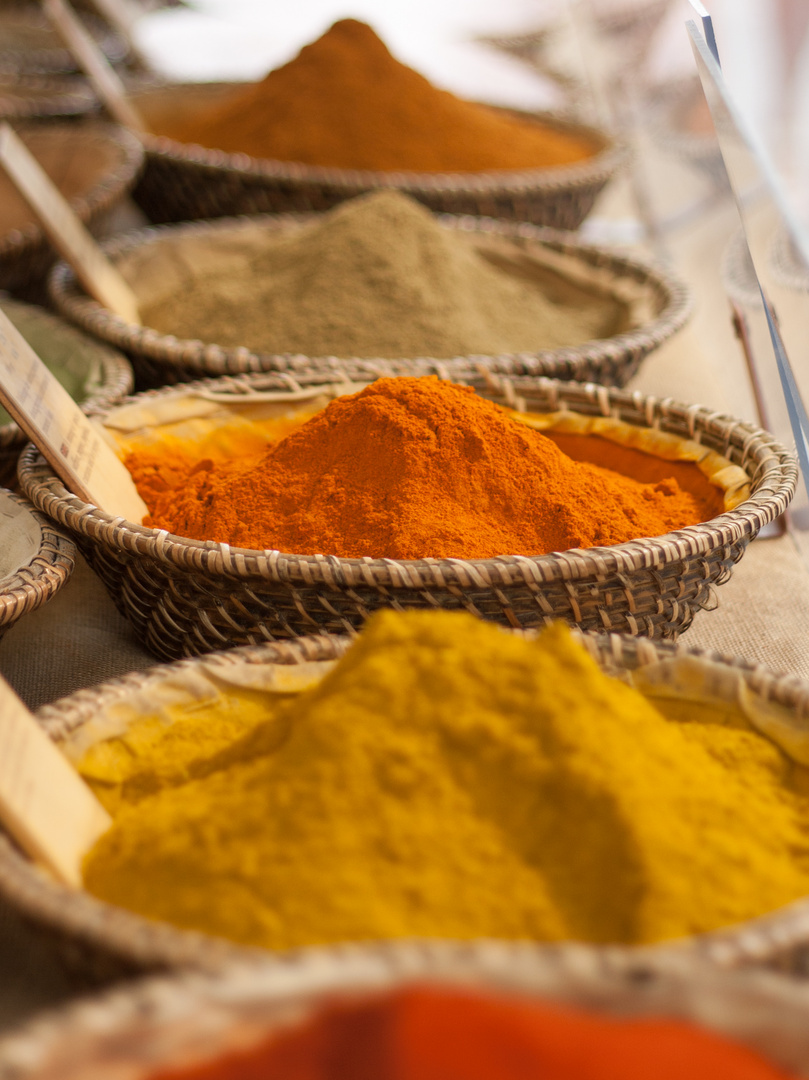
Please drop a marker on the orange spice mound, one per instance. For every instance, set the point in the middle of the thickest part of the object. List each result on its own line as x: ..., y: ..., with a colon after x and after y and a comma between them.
x: 345, y: 102
x: 410, y: 468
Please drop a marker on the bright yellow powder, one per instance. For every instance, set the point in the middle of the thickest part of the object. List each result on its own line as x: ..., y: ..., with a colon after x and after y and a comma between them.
x: 448, y: 779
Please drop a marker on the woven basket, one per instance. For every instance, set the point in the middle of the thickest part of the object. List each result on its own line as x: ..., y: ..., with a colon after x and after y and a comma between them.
x: 186, y: 597
x: 190, y: 1019
x: 115, y: 379
x: 25, y: 254
x: 37, y: 559
x: 161, y: 358
x: 99, y: 942
x: 183, y: 181
x: 30, y: 97
x: 47, y: 55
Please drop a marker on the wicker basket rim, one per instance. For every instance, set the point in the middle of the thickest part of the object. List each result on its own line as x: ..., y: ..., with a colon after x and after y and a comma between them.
x: 611, y: 156
x: 760, y: 508
x: 97, y: 197
x: 674, y: 309
x: 58, y: 59
x: 161, y: 944
x: 28, y: 96
x: 683, y: 986
x: 42, y: 574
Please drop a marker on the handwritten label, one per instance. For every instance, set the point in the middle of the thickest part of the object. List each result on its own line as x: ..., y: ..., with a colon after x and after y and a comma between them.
x: 54, y: 422
x: 44, y: 804
x: 93, y: 63
x: 67, y: 234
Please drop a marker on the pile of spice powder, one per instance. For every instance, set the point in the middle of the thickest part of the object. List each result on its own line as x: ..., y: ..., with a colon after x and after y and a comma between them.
x: 449, y: 779
x: 441, y: 1033
x: 376, y: 277
x: 410, y: 468
x: 344, y: 101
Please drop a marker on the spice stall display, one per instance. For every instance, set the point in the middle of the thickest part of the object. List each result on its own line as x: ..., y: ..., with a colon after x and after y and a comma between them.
x: 452, y: 833
x: 345, y: 117
x: 93, y: 164
x: 93, y: 373
x: 378, y: 278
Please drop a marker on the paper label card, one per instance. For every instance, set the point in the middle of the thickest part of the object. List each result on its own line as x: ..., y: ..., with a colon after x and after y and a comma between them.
x: 54, y: 422
x: 44, y: 804
x: 93, y: 63
x: 67, y: 234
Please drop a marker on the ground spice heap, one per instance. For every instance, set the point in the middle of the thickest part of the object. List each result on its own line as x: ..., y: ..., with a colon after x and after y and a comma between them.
x: 376, y: 277
x: 449, y: 779
x: 410, y: 468
x: 436, y: 1033
x: 345, y: 101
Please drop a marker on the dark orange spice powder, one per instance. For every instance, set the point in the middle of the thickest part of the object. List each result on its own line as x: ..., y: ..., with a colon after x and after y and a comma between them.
x: 410, y: 468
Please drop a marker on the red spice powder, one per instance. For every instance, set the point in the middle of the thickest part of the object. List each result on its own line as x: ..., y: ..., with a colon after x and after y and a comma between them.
x: 435, y: 1034
x: 406, y: 469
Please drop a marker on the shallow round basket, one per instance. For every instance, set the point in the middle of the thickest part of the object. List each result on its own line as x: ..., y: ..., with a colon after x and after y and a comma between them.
x: 98, y: 942
x: 25, y: 253
x: 30, y: 97
x: 186, y: 597
x: 109, y: 372
x: 30, y: 46
x: 160, y: 358
x: 190, y: 1019
x: 36, y: 559
x: 182, y: 181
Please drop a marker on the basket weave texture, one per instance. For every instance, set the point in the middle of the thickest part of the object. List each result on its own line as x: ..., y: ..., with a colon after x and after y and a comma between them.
x: 191, y: 1017
x: 99, y: 942
x: 36, y: 97
x: 160, y: 359
x: 52, y: 58
x: 25, y: 254
x: 183, y: 181
x: 40, y: 577
x: 187, y: 597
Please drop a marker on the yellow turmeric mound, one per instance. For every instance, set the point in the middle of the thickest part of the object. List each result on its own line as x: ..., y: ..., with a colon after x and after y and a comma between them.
x: 448, y: 779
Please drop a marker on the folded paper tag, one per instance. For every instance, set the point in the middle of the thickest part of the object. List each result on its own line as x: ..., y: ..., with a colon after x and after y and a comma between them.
x: 93, y: 63
x: 44, y: 804
x: 65, y: 231
x: 54, y: 422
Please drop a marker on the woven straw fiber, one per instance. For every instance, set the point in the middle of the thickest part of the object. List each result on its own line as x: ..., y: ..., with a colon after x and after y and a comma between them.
x: 99, y: 942
x: 192, y: 1017
x: 186, y: 597
x: 160, y: 359
x: 183, y: 181
x: 25, y: 254
x: 36, y: 97
x: 42, y: 575
x: 52, y: 57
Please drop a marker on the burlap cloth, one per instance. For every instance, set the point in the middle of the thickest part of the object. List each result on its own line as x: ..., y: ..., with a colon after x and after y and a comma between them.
x: 79, y: 638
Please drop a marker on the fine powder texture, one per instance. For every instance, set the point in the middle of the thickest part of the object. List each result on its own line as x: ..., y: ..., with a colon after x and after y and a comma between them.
x: 376, y: 277
x: 449, y: 779
x: 410, y: 468
x: 344, y: 101
x: 441, y: 1033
